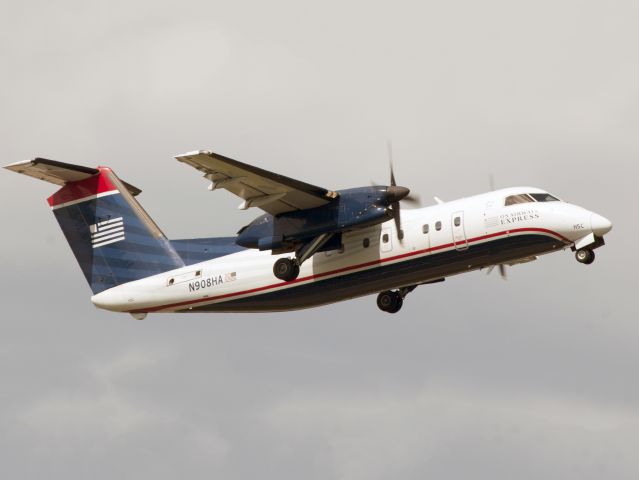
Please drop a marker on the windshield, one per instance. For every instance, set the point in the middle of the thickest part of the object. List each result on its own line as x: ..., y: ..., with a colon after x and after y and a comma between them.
x: 521, y: 198
x: 544, y: 197
x: 530, y: 198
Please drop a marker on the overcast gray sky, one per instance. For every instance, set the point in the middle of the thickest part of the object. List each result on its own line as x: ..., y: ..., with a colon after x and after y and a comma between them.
x: 475, y: 378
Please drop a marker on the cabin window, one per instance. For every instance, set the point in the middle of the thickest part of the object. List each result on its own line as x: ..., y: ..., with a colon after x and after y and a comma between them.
x: 171, y: 281
x: 544, y: 197
x: 521, y: 198
x: 425, y: 229
x: 385, y: 238
x: 400, y: 234
x: 438, y: 226
x: 457, y: 221
x: 366, y: 243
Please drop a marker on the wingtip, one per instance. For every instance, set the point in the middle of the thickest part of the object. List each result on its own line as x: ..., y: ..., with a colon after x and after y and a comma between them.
x: 16, y: 165
x: 192, y: 154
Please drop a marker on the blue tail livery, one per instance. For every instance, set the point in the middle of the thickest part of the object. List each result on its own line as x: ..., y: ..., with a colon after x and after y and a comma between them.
x: 113, y: 239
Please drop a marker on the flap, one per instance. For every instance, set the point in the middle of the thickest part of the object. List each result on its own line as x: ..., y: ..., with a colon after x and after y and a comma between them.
x: 269, y: 191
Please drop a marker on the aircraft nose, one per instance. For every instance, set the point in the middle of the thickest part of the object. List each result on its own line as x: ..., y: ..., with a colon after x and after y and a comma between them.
x: 600, y: 225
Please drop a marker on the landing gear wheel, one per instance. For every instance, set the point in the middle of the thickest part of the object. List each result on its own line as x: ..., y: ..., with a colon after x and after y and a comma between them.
x: 390, y: 301
x: 585, y: 256
x: 286, y: 269
x: 398, y: 305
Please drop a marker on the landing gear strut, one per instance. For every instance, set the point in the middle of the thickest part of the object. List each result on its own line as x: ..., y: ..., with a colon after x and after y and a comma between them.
x: 585, y: 256
x: 391, y: 301
x: 286, y: 269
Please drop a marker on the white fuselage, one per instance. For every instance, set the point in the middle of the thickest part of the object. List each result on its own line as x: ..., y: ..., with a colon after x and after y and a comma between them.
x: 438, y: 241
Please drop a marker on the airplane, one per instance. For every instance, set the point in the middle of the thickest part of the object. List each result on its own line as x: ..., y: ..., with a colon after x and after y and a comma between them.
x: 311, y: 246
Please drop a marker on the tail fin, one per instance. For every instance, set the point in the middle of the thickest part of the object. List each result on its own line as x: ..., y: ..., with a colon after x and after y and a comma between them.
x: 113, y: 239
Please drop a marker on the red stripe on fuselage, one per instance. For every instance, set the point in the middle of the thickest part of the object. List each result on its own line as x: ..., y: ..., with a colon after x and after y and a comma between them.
x: 89, y: 187
x: 353, y: 267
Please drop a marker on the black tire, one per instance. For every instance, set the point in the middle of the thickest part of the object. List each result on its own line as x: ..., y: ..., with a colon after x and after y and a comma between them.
x: 398, y: 305
x: 585, y: 256
x: 389, y: 301
x: 286, y: 269
x: 296, y: 272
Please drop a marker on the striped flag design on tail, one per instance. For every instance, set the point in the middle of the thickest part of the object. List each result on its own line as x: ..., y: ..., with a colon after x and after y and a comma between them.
x: 106, y: 232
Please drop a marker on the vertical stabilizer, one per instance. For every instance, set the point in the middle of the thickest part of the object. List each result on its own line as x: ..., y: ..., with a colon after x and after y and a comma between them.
x: 113, y: 239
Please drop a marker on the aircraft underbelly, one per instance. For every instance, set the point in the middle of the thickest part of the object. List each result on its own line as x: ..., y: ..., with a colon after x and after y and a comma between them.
x: 388, y: 276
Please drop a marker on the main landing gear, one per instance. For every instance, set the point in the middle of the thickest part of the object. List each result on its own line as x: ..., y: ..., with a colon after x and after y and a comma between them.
x: 286, y: 269
x: 391, y: 301
x: 585, y: 256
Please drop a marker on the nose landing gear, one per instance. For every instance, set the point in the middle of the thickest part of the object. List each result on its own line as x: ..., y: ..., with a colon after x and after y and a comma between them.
x: 585, y: 256
x: 391, y: 301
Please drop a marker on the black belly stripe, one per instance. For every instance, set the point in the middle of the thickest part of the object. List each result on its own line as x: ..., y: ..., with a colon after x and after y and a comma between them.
x: 388, y: 276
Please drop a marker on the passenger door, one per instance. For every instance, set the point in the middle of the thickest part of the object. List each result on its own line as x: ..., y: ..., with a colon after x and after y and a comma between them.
x: 459, y: 232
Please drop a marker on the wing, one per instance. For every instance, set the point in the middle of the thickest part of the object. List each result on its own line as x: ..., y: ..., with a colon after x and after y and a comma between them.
x: 269, y: 191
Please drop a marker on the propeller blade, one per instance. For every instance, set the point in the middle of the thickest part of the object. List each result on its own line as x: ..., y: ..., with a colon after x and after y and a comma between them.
x: 398, y: 220
x: 502, y: 271
x: 390, y: 162
x: 412, y: 199
x: 395, y: 194
x: 392, y: 179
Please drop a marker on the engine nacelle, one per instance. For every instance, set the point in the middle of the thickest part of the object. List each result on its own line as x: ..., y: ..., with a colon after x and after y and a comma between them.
x: 354, y: 208
x: 271, y: 243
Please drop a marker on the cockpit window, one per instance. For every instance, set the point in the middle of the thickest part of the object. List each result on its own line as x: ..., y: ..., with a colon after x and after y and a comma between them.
x: 544, y: 197
x: 521, y: 198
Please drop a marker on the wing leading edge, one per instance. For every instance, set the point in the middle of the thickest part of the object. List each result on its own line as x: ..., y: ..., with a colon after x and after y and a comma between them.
x: 269, y: 191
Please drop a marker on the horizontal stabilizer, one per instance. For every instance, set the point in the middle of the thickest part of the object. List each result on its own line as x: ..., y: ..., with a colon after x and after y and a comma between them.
x: 59, y: 173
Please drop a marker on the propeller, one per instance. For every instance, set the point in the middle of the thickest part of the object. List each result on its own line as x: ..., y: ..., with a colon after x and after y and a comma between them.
x: 502, y: 267
x: 396, y: 194
x: 502, y: 270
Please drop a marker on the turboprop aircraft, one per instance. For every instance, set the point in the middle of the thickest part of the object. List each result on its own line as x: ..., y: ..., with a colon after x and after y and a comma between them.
x: 311, y: 246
